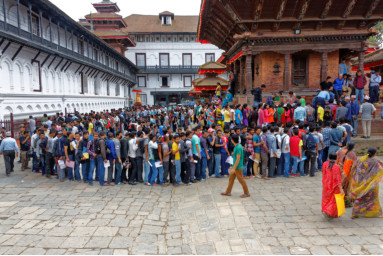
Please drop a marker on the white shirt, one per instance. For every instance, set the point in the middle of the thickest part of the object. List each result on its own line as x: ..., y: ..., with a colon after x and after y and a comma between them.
x: 132, y: 148
x: 285, y: 144
x: 279, y: 142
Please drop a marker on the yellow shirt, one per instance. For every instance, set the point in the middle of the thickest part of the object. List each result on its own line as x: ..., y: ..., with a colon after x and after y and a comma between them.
x: 174, y: 148
x: 218, y: 91
x: 227, y: 116
x: 90, y: 127
x: 320, y: 113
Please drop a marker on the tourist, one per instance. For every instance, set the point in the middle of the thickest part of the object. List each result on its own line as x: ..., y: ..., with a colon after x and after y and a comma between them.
x: 237, y: 169
x: 325, y: 85
x: 9, y: 150
x: 367, y: 113
x: 359, y: 82
x: 366, y: 174
x: 332, y: 185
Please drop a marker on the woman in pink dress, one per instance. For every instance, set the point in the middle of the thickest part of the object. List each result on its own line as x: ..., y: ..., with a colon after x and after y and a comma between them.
x: 266, y: 114
x: 261, y: 118
x: 289, y: 112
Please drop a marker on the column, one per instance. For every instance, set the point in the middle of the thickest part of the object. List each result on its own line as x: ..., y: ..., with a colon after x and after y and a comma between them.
x: 241, y: 74
x: 41, y: 25
x: 286, y: 72
x: 249, y: 73
x: 18, y: 15
x: 361, y: 61
x: 5, y: 15
x: 30, y: 20
x: 324, y: 66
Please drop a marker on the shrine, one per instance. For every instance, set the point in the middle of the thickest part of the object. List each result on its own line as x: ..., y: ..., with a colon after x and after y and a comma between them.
x: 109, y: 26
x: 287, y: 44
x: 205, y: 87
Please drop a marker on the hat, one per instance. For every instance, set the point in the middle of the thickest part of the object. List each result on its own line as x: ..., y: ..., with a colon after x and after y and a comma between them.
x: 210, y: 130
x: 8, y: 134
x: 353, y: 96
x: 347, y: 97
x: 60, y: 132
x: 21, y: 125
x: 366, y: 97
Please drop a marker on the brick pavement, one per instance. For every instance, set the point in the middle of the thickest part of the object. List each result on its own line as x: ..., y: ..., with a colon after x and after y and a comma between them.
x: 283, y: 216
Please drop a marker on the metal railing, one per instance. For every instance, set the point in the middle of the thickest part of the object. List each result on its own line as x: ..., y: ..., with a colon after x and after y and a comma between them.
x: 180, y: 69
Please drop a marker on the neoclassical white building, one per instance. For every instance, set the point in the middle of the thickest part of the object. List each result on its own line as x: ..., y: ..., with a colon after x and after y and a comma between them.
x: 168, y: 55
x: 49, y: 63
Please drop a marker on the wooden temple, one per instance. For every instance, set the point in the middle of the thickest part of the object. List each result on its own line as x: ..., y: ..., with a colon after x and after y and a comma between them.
x: 287, y: 44
x: 206, y: 86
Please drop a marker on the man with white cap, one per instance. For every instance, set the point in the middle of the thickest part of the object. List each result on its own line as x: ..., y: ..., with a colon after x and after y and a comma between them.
x: 354, y: 115
x: 367, y: 112
x: 8, y: 148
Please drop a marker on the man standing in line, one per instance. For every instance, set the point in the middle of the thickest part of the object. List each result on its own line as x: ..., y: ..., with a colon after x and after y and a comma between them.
x: 140, y: 155
x: 195, y: 167
x: 133, y: 146
x: 9, y: 149
x: 237, y: 170
x: 118, y: 163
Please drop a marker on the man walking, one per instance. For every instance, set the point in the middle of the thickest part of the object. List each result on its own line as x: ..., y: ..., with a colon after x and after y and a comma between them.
x: 9, y: 149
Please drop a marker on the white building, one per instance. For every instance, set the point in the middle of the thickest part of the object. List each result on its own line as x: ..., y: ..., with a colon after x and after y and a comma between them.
x: 50, y: 64
x: 168, y: 55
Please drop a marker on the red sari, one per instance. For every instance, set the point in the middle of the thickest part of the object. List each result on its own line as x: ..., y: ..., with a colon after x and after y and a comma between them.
x: 331, y: 180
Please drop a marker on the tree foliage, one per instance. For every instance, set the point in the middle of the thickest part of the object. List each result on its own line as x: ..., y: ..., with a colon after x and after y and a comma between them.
x: 377, y: 39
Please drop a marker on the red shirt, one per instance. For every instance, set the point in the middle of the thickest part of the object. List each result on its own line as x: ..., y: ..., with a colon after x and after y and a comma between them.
x: 294, y: 146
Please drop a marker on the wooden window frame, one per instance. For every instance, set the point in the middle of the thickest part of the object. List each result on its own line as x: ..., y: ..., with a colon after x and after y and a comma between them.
x: 191, y: 81
x: 209, y: 53
x: 164, y: 53
x: 166, y: 86
x: 191, y: 59
x: 138, y: 81
x: 137, y: 58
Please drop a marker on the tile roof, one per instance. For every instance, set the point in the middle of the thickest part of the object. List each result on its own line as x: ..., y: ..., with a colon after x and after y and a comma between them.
x: 152, y: 23
x: 103, y: 15
x: 374, y: 56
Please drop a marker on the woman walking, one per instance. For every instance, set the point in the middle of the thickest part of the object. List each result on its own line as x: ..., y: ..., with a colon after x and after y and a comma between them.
x: 367, y: 173
x: 332, y: 184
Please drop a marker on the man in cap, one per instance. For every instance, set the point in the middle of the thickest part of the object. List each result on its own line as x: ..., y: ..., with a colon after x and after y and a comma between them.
x: 8, y: 148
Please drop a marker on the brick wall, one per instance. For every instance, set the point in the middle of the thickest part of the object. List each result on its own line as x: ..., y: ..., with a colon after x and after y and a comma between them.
x: 315, y: 61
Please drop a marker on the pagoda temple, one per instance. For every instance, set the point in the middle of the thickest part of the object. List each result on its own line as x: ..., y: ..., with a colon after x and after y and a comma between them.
x: 109, y: 26
x: 287, y: 44
x: 205, y: 87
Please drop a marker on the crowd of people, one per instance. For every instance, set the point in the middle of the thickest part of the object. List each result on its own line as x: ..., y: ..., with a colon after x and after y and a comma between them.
x: 285, y: 136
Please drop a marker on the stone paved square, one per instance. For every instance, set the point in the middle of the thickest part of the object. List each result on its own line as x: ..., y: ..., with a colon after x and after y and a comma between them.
x: 282, y: 216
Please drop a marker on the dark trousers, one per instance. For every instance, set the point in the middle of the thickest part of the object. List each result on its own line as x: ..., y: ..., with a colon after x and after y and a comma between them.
x: 338, y: 94
x: 183, y: 170
x: 310, y: 163
x: 49, y: 163
x: 173, y: 178
x: 325, y: 154
x: 186, y: 178
x: 140, y: 167
x: 374, y: 94
x: 123, y: 173
x: 166, y: 166
x: 9, y: 158
x: 272, y: 165
x: 133, y: 170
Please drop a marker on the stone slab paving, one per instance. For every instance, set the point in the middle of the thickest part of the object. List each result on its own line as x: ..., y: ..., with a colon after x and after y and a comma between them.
x: 283, y: 216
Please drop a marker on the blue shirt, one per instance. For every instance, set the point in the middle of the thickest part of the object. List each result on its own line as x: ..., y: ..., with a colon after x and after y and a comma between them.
x: 325, y: 95
x: 9, y: 144
x: 300, y: 114
x: 375, y: 80
x: 348, y: 115
x: 326, y: 136
x: 238, y: 121
x: 354, y: 108
x: 338, y: 84
x: 256, y: 139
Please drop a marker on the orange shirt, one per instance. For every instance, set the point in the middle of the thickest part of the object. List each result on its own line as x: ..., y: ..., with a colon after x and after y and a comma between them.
x: 271, y: 115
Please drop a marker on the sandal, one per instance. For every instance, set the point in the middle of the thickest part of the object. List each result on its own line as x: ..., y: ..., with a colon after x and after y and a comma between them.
x: 225, y: 194
x: 245, y: 195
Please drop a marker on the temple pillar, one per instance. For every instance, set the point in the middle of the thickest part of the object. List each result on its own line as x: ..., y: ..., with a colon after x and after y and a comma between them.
x: 361, y: 61
x: 242, y: 74
x: 249, y: 73
x: 286, y: 72
x: 323, y: 74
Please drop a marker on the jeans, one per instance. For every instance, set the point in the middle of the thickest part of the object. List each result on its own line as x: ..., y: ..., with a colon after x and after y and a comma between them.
x: 295, y: 165
x: 9, y: 158
x: 156, y: 171
x: 217, y: 158
x: 178, y: 171
x: 34, y: 162
x: 77, y: 169
x: 361, y: 93
x: 272, y: 165
x: 195, y: 168
x: 319, y: 161
x: 70, y: 170
x: 147, y: 171
x: 324, y: 154
x: 101, y: 170
x: 310, y: 163
x: 354, y: 124
x: 203, y: 167
x: 374, y: 94
x: 338, y: 94
x: 279, y: 166
x: 186, y: 177
x: 210, y: 163
x: 166, y: 166
x: 286, y: 163
x: 49, y: 163
x: 224, y: 165
x: 133, y: 169
x: 139, y: 162
x: 85, y: 167
x: 43, y: 166
x: 92, y: 165
x: 117, y: 177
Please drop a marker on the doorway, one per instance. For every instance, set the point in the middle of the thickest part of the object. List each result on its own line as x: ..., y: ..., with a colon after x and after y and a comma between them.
x: 300, y: 70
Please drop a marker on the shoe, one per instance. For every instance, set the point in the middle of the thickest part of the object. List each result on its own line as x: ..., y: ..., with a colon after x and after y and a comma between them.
x: 193, y: 181
x: 219, y: 176
x: 27, y: 167
x: 312, y: 175
x: 266, y: 178
x: 132, y: 183
x: 147, y: 184
x: 105, y: 184
x: 8, y: 174
x: 259, y: 176
x: 368, y: 137
x: 112, y: 184
x: 22, y: 170
x: 120, y: 183
x: 251, y: 176
x: 364, y: 137
x: 203, y: 180
x: 61, y: 180
x: 155, y: 185
x: 90, y: 183
x: 164, y: 185
x: 302, y: 175
x: 187, y: 184
x: 38, y: 172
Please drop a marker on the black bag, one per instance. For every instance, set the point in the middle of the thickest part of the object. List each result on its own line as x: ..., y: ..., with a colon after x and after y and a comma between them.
x: 310, y: 142
x: 30, y: 154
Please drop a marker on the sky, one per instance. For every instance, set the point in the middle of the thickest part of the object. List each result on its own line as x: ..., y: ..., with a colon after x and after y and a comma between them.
x: 79, y: 8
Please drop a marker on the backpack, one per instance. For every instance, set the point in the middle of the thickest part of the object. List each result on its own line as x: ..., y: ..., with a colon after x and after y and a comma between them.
x: 276, y: 140
x: 310, y: 142
x: 327, y: 114
x: 97, y: 147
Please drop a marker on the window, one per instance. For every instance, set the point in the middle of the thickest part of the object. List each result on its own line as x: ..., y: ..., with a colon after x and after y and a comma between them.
x: 35, y: 25
x: 165, y: 81
x: 141, y: 81
x: 107, y: 88
x: 36, y: 76
x: 164, y: 59
x: 117, y: 65
x: 143, y: 99
x: 187, y: 39
x: 186, y: 59
x: 175, y: 39
x: 141, y: 59
x: 163, y: 39
x: 84, y: 83
x: 147, y: 39
x: 153, y: 39
x: 187, y: 81
x: 117, y: 89
x: 81, y: 47
x: 209, y: 57
x: 95, y: 54
x: 166, y: 20
x: 107, y: 60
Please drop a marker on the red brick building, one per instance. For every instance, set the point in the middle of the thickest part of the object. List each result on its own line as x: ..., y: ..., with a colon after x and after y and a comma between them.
x: 287, y: 44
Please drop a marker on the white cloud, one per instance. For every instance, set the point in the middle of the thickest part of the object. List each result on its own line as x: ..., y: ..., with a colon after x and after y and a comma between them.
x: 79, y: 8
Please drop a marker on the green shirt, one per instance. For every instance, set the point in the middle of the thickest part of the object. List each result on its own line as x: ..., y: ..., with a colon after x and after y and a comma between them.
x: 238, y: 150
x: 303, y: 102
x: 195, y: 144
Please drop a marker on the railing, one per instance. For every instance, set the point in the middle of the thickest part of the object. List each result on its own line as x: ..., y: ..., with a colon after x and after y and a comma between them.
x: 168, y: 69
x: 60, y: 49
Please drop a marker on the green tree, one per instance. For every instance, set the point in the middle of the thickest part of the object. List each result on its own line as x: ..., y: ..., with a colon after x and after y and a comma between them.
x: 377, y: 39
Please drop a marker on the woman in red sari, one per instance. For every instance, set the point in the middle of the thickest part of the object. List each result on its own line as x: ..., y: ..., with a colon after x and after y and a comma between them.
x: 332, y: 184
